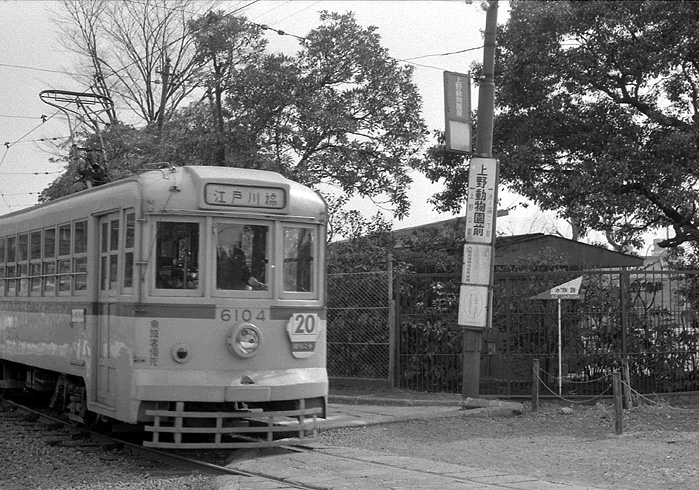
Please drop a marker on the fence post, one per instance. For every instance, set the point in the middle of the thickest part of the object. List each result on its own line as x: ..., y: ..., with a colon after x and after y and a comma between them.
x: 629, y: 401
x: 397, y: 341
x: 535, y: 385
x: 618, y: 404
x: 392, y: 327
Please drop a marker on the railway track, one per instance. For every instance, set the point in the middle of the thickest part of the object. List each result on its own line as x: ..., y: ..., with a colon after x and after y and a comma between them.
x: 55, y: 432
x: 288, y: 467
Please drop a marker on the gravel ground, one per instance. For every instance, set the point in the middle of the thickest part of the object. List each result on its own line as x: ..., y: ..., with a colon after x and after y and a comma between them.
x: 29, y: 462
x: 659, y: 449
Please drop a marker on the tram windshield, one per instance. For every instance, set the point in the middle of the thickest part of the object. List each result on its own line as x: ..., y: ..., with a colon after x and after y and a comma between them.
x: 177, y: 244
x: 241, y: 256
x: 299, y: 246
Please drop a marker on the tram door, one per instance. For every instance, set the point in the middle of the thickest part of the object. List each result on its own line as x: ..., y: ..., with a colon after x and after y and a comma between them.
x: 107, y: 322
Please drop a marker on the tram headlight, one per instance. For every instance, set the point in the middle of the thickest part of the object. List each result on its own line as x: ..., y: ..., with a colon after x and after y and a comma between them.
x: 244, y: 340
x: 180, y: 353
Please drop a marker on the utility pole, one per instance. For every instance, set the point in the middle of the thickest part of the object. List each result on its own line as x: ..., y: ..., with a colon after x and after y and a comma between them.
x: 163, y: 94
x: 486, y: 90
x: 473, y: 336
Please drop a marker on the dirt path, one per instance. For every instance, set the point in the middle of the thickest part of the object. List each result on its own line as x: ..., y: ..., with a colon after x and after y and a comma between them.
x: 659, y: 448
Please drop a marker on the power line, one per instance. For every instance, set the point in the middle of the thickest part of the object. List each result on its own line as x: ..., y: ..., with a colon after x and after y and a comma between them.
x: 24, y: 67
x: 8, y: 145
x: 20, y: 194
x: 10, y: 116
x: 32, y: 173
x: 443, y: 54
x: 39, y: 140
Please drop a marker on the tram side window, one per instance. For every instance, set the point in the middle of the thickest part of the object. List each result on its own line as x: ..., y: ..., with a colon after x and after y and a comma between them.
x: 80, y: 257
x: 49, y: 261
x: 177, y: 247
x: 64, y: 241
x: 11, y: 267
x: 241, y: 256
x: 23, y: 264
x: 129, y: 247
x: 2, y: 266
x: 299, y: 259
x: 35, y: 263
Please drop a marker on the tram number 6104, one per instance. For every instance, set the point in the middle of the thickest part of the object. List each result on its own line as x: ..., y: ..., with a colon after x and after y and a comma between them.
x: 241, y: 315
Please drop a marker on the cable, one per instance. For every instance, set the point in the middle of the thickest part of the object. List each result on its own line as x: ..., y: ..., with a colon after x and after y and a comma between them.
x: 296, y: 13
x: 572, y: 401
x: 42, y: 117
x: 33, y: 173
x: 651, y: 402
x: 39, y: 69
x: 37, y: 140
x: 443, y: 54
x: 8, y: 145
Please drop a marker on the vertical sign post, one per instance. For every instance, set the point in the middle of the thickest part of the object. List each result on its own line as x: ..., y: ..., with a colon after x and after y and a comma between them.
x: 475, y: 299
x: 475, y: 294
x: 568, y: 290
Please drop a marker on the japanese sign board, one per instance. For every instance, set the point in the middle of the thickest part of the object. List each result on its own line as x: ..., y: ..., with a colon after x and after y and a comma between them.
x: 568, y: 290
x: 482, y: 200
x: 477, y: 267
x: 477, y: 264
x: 457, y: 112
x: 245, y: 196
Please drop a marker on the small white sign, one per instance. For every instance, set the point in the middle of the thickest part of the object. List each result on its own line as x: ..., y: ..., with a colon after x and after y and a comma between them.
x: 303, y: 330
x: 477, y: 264
x: 570, y: 288
x: 457, y: 111
x: 77, y: 315
x: 473, y: 306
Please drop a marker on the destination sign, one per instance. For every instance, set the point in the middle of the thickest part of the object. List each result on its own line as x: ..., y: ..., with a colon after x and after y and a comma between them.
x: 245, y: 196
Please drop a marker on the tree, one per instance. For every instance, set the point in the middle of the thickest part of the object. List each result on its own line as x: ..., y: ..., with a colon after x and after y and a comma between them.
x: 138, y: 53
x: 223, y: 44
x: 340, y: 111
x: 597, y: 114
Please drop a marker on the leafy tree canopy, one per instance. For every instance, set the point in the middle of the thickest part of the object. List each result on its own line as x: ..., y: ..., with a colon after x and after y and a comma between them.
x: 597, y: 115
x: 340, y: 111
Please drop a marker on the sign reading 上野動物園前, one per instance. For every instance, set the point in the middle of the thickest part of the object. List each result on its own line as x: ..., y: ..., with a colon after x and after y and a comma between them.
x: 477, y: 267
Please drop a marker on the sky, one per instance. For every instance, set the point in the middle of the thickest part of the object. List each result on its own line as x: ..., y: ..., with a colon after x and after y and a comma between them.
x: 432, y: 36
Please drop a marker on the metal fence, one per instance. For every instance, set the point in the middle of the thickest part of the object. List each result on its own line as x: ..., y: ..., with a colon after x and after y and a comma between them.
x: 359, y: 325
x: 645, y: 321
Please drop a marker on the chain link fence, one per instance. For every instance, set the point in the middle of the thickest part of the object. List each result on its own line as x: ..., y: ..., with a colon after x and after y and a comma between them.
x: 359, y: 325
x: 645, y: 322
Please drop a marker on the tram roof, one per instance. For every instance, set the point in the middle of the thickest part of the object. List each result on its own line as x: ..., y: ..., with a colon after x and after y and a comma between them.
x: 175, y: 189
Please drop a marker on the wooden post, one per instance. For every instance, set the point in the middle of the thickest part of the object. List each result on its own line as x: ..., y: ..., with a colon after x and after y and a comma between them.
x: 618, y: 404
x: 629, y: 401
x: 535, y: 385
x: 470, y: 376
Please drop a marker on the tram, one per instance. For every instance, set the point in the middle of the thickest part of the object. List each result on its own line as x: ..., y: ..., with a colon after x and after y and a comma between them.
x: 189, y: 300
